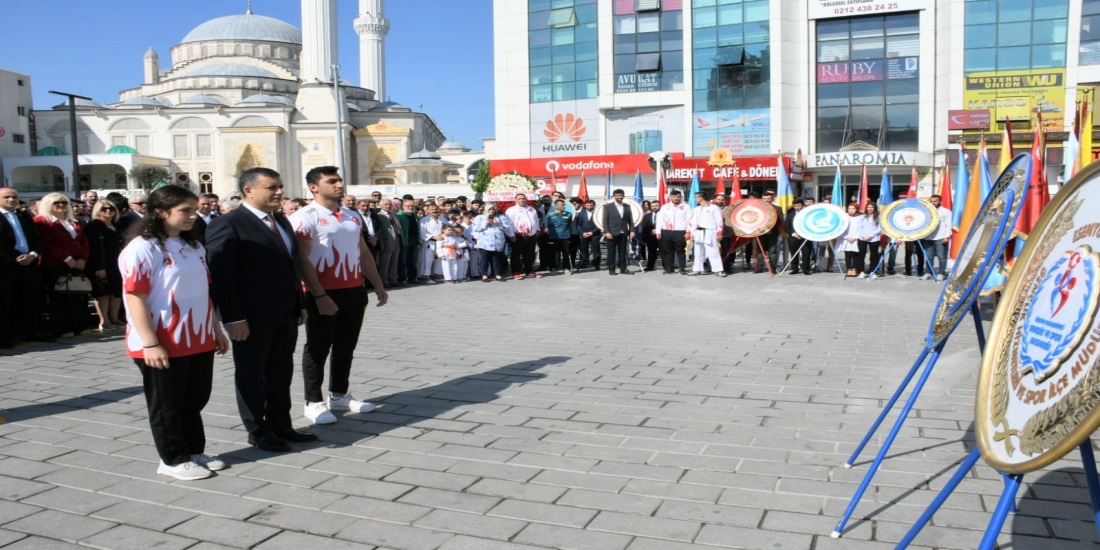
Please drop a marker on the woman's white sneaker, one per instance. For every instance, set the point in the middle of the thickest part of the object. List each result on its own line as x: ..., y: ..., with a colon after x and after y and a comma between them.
x: 188, y: 471
x: 349, y: 403
x: 318, y: 413
x: 209, y: 462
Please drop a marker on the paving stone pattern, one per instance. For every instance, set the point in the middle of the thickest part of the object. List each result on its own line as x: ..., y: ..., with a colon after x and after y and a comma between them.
x: 577, y: 412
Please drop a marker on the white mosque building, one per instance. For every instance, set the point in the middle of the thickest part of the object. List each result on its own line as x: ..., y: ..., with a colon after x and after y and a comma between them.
x: 245, y: 91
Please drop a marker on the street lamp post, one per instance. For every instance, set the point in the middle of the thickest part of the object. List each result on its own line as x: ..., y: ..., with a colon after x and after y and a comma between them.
x: 74, y: 180
x: 339, y: 122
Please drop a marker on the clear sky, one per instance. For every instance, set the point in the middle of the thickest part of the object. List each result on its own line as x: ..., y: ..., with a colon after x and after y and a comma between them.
x: 439, y: 53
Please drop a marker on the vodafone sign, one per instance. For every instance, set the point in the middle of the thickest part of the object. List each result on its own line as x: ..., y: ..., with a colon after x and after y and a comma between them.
x: 573, y: 166
x: 748, y: 169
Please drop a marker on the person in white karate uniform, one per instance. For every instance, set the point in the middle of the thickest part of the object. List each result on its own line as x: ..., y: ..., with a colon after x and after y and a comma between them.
x: 452, y: 254
x: 706, y: 230
x: 431, y: 231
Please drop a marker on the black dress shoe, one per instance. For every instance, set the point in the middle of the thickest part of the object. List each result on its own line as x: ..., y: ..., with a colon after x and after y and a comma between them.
x: 612, y: 273
x: 269, y: 443
x: 294, y: 436
x: 627, y: 272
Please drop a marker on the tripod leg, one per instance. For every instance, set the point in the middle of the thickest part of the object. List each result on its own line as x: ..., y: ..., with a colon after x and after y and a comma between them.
x: 1000, y: 514
x: 889, y: 441
x: 934, y: 506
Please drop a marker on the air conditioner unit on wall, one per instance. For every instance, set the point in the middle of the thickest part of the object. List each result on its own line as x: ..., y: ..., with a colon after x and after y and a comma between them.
x: 206, y: 177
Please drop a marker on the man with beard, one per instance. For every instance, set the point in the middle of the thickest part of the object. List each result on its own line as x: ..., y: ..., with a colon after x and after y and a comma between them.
x: 672, y: 223
x: 333, y: 259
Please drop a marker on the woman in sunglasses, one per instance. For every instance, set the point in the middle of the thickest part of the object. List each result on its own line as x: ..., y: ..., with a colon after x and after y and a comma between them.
x: 105, y: 244
x: 64, y: 252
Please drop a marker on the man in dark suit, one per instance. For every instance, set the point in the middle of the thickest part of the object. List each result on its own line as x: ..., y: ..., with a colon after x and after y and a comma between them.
x: 618, y: 229
x: 252, y: 254
x: 584, y: 226
x: 136, y: 213
x: 649, y: 234
x: 20, y: 287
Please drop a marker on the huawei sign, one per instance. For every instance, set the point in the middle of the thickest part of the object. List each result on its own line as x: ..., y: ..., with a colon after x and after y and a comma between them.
x: 567, y: 125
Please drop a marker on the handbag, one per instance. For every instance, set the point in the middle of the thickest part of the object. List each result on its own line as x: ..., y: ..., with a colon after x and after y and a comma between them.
x: 73, y: 283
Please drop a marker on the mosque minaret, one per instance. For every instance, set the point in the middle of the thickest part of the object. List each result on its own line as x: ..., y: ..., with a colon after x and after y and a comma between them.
x: 320, y: 51
x: 240, y: 91
x: 372, y: 27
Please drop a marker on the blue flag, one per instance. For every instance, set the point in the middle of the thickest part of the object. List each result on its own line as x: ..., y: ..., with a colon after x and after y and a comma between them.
x: 838, y: 190
x: 638, y: 196
x: 886, y: 190
x: 690, y: 198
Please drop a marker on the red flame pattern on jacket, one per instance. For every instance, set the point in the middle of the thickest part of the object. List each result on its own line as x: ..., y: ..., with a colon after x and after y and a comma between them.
x: 334, y: 252
x: 175, y: 284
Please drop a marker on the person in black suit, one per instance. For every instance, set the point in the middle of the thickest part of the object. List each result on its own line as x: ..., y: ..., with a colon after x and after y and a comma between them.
x: 20, y: 286
x: 618, y: 229
x: 136, y: 212
x: 252, y: 254
x: 649, y: 233
x: 584, y: 226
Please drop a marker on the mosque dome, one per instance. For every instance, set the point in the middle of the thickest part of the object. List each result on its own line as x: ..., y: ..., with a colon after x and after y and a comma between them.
x: 245, y: 27
x: 425, y: 154
x: 451, y: 145
x: 230, y: 69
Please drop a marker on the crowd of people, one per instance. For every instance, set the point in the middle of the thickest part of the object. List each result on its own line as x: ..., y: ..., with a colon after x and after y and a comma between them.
x: 436, y: 240
x: 260, y: 265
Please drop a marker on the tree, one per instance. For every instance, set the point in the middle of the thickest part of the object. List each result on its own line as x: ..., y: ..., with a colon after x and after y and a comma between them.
x: 481, y: 179
x: 148, y: 176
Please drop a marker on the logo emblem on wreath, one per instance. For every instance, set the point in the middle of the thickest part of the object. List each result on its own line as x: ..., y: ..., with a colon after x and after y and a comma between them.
x: 1059, y: 315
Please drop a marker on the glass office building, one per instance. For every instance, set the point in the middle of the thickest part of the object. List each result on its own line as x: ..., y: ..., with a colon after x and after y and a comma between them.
x: 868, y: 83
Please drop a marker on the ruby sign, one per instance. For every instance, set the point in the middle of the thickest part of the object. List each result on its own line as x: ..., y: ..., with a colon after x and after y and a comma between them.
x: 968, y: 119
x: 749, y: 169
x: 573, y: 166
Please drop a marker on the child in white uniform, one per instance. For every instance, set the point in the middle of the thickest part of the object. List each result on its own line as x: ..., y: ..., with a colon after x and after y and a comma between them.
x: 452, y: 254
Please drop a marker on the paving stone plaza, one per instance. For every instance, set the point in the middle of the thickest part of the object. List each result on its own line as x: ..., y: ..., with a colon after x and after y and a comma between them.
x: 575, y: 412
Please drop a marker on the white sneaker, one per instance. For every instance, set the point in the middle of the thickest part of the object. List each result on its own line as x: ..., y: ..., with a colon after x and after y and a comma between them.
x: 209, y: 462
x: 347, y: 402
x: 188, y: 471
x: 318, y: 413
x: 862, y: 275
x: 925, y: 277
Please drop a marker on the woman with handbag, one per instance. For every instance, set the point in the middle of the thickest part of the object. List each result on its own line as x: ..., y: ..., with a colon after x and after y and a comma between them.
x: 105, y: 244
x: 172, y: 332
x: 64, y: 255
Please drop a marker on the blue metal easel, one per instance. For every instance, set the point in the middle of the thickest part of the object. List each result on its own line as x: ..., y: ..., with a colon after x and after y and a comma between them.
x: 893, y: 246
x: 1007, y: 502
x: 1007, y: 189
